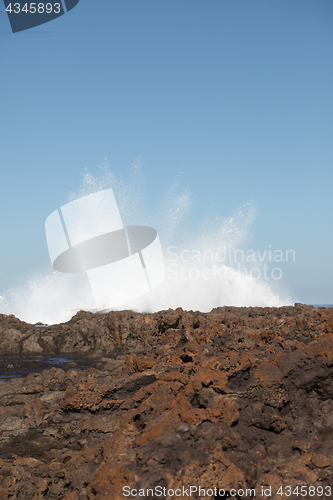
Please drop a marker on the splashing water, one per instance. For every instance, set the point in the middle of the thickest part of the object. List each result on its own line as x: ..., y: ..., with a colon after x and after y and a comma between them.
x: 199, y: 275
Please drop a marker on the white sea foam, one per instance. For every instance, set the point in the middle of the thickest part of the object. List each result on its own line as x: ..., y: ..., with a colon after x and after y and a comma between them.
x: 191, y: 282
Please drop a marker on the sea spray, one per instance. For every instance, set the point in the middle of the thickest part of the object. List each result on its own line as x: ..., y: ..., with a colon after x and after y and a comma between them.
x: 191, y: 282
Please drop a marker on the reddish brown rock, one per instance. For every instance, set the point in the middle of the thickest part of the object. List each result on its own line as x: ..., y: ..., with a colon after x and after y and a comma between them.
x: 237, y: 399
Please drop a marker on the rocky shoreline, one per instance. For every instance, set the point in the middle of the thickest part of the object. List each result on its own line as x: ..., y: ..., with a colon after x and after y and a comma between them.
x: 235, y: 400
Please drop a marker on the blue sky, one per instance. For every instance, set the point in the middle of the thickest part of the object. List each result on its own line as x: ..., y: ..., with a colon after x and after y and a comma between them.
x: 235, y: 94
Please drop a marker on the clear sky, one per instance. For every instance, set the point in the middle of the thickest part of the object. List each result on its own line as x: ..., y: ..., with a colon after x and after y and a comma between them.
x: 234, y: 94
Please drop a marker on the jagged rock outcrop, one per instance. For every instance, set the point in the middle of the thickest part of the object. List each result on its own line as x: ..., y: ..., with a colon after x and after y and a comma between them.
x: 235, y: 400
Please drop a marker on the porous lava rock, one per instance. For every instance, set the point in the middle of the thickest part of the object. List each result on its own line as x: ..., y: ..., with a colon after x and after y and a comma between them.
x: 237, y: 402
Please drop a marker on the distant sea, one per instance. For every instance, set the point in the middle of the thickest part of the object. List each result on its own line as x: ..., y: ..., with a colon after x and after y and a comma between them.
x: 322, y: 305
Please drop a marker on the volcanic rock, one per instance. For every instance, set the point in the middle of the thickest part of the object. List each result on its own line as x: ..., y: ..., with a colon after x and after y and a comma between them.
x: 237, y: 402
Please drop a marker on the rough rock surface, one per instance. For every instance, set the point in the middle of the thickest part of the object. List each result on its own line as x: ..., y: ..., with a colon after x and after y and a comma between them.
x: 232, y: 400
